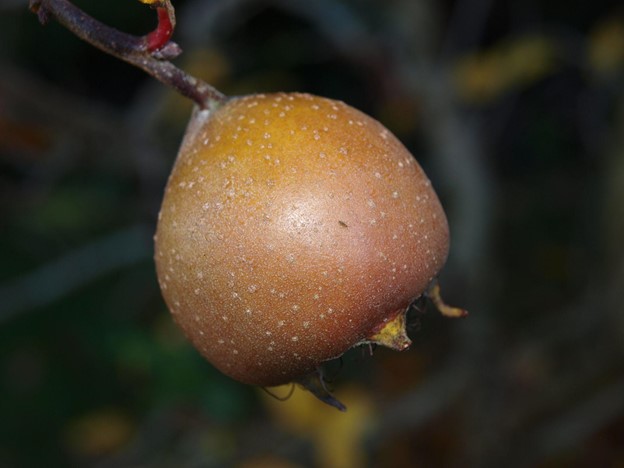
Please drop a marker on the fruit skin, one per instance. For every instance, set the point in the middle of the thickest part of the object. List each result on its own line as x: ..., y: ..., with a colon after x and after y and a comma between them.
x: 293, y: 227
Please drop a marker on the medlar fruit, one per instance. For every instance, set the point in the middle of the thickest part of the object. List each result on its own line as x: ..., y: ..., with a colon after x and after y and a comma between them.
x: 294, y: 227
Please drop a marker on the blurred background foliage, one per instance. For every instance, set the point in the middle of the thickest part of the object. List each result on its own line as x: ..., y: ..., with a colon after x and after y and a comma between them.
x: 516, y: 110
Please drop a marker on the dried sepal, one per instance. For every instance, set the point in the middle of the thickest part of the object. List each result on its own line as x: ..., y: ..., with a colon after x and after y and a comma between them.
x: 448, y: 311
x: 392, y: 334
x: 316, y: 385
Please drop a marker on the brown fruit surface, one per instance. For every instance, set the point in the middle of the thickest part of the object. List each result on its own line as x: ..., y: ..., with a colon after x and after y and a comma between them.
x: 293, y: 227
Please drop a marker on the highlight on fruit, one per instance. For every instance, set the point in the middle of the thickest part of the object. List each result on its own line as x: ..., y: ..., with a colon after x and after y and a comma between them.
x: 293, y: 227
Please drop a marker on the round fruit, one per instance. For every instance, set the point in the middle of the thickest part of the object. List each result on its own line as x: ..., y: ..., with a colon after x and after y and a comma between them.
x: 293, y: 228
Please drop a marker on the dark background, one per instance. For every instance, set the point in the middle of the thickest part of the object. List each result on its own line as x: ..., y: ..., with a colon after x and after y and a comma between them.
x: 515, y: 108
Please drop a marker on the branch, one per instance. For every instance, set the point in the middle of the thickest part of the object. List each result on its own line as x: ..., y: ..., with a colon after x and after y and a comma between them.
x: 149, y: 53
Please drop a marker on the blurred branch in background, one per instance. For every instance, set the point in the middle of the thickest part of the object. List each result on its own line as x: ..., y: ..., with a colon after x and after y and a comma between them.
x: 579, y: 423
x: 75, y: 269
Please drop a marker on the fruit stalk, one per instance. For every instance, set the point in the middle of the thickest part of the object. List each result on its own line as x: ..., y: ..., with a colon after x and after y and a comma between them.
x: 151, y: 52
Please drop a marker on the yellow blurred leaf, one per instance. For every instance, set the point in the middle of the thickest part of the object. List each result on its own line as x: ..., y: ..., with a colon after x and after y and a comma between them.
x: 300, y: 413
x: 100, y: 432
x: 209, y: 64
x: 337, y: 436
x: 529, y: 59
x: 606, y: 47
x: 485, y: 76
x: 480, y: 77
